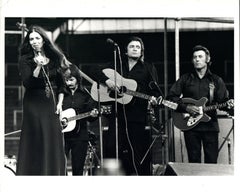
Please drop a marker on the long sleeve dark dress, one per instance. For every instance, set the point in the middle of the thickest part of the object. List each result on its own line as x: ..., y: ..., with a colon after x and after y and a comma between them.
x: 41, y: 149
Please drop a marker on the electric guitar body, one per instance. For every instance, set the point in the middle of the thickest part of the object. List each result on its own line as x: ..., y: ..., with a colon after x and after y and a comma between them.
x: 186, y: 121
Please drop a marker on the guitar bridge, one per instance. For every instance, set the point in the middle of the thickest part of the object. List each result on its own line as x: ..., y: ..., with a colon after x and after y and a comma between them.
x: 193, y: 120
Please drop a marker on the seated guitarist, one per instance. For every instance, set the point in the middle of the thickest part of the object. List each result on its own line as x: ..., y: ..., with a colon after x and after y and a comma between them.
x: 201, y: 82
x: 134, y: 139
x: 76, y: 141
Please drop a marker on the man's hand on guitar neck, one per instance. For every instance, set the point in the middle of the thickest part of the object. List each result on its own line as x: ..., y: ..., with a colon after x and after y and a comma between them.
x: 153, y: 101
x: 94, y: 113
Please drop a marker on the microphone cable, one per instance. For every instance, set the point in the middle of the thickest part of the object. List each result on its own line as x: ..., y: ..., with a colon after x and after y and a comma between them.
x: 125, y: 118
x: 49, y: 84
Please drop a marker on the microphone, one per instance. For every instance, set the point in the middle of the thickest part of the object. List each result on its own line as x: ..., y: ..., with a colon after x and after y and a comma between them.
x: 110, y: 41
x: 40, y: 55
x: 22, y: 26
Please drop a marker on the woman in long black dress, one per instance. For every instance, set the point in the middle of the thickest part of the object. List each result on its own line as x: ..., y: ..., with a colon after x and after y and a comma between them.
x: 41, y: 150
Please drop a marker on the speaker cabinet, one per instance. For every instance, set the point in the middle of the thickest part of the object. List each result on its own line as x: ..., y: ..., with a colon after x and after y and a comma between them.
x: 198, y: 169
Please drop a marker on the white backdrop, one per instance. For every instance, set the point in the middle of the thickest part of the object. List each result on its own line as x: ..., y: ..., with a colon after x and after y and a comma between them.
x: 119, y: 8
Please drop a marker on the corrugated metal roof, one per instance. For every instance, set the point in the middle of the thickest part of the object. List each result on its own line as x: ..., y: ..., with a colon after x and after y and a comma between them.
x: 121, y: 25
x: 133, y: 25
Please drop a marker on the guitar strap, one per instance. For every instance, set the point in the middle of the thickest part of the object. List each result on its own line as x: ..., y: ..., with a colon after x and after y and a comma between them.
x: 152, y: 71
x: 211, y: 91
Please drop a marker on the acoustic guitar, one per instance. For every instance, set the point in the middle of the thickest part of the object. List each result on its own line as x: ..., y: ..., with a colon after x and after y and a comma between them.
x: 127, y: 89
x: 69, y: 117
x: 126, y: 92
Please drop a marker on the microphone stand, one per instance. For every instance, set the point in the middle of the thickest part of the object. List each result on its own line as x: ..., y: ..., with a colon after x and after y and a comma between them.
x: 11, y: 133
x: 92, y: 154
x: 227, y: 139
x: 162, y: 135
x: 161, y: 132
x: 100, y: 126
x: 116, y: 47
x: 116, y: 94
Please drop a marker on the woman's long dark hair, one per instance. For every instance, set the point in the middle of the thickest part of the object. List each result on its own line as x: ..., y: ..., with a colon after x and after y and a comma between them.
x: 50, y: 49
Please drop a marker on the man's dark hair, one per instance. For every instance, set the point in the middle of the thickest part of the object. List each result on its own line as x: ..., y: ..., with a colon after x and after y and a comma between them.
x: 202, y: 48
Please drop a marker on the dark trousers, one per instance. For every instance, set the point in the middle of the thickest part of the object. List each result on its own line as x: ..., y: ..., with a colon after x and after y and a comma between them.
x: 78, y: 149
x: 195, y: 140
x: 133, y: 144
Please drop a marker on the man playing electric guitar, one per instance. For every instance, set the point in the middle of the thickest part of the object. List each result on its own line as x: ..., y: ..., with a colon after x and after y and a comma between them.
x: 200, y: 83
x: 75, y: 97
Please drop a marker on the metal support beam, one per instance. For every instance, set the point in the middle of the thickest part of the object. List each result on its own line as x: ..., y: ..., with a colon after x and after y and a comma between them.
x: 177, y: 52
x: 166, y: 89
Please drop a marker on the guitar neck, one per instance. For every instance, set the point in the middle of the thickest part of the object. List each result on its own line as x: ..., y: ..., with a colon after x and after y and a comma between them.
x: 86, y: 77
x: 80, y: 116
x: 137, y: 94
x: 166, y: 103
x: 214, y: 107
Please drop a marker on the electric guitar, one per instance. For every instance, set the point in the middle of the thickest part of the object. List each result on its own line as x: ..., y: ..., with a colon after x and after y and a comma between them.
x: 69, y: 117
x: 186, y: 121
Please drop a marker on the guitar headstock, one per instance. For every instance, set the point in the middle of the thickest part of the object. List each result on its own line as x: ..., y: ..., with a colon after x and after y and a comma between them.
x: 166, y: 103
x: 22, y: 26
x: 169, y: 104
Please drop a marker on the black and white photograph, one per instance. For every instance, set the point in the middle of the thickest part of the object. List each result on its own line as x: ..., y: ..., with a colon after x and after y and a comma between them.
x: 106, y: 98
